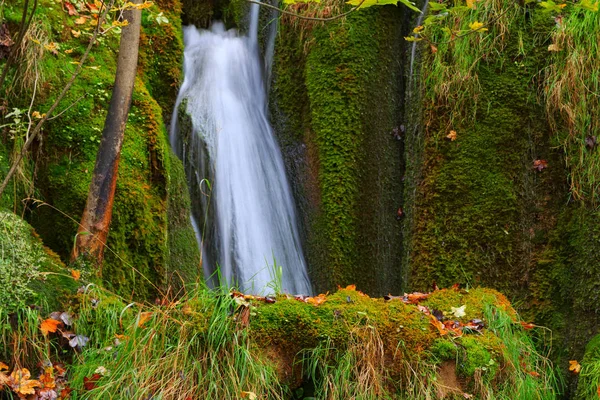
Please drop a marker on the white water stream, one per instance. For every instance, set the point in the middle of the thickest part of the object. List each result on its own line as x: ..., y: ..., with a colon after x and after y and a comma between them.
x: 253, y: 215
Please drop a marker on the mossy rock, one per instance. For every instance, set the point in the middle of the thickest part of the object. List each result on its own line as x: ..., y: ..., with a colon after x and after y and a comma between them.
x: 336, y: 103
x: 30, y: 273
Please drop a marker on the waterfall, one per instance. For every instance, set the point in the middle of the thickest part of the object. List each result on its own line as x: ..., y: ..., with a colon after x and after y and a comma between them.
x: 234, y: 162
x: 413, y: 50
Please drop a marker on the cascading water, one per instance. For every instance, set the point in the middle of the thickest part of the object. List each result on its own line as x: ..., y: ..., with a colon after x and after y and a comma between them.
x: 249, y: 215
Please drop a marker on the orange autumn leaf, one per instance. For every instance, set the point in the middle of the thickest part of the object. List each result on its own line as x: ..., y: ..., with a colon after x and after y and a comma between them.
x: 438, y: 324
x: 75, y: 274
x: 598, y: 390
x: 452, y: 136
x: 574, y: 366
x: 527, y: 325
x: 81, y: 20
x: 49, y: 325
x: 317, y: 300
x: 144, y: 317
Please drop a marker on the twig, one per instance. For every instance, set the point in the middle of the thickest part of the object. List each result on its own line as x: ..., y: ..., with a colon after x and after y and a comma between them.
x: 68, y: 108
x: 62, y: 94
x: 260, y: 3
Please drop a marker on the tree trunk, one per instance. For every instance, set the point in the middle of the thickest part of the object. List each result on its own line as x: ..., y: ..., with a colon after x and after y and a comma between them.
x: 95, y: 222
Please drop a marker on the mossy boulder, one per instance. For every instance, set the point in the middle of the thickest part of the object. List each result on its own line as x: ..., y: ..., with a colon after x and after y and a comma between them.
x: 30, y: 273
x: 328, y: 347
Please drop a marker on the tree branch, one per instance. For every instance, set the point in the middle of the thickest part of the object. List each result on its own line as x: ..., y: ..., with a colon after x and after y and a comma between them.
x: 260, y: 3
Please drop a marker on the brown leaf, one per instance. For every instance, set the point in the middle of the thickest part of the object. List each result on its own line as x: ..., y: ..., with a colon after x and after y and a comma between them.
x: 70, y: 8
x: 49, y: 325
x: 438, y: 324
x: 540, y: 165
x: 90, y: 383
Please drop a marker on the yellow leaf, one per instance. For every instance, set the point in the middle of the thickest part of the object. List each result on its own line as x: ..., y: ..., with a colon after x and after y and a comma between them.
x: 477, y: 26
x: 452, y: 136
x: 81, y: 20
x: 75, y: 274
x: 418, y: 29
x: 49, y: 325
x: 562, y: 5
x: 120, y: 23
x: 574, y: 366
x: 20, y: 383
x: 553, y: 47
x: 3, y: 366
x: 69, y: 51
x: 75, y: 33
x: 249, y: 395
x: 53, y: 47
x: 471, y: 4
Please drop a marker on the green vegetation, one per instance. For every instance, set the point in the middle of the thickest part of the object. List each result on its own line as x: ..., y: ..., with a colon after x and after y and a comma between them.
x: 326, y: 79
x: 212, y: 344
x: 149, y: 239
x: 29, y: 272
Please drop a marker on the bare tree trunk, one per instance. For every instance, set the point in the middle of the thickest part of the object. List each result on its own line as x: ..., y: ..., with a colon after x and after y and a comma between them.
x: 95, y: 222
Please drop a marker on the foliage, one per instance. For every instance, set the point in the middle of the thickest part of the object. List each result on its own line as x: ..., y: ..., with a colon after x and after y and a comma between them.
x: 212, y: 344
x: 26, y: 265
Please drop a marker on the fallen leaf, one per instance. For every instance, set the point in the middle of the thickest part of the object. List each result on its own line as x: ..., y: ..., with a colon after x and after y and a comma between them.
x: 249, y: 395
x: 75, y: 33
x: 90, y: 383
x: 316, y: 300
x: 75, y: 274
x: 553, y: 47
x: 70, y: 8
x: 79, y: 341
x: 540, y: 165
x: 144, y: 317
x: 452, y: 136
x: 440, y: 327
x: 477, y: 26
x: 471, y: 4
x: 574, y: 366
x: 81, y: 20
x: 591, y: 142
x: 458, y: 312
x: 20, y: 383
x: 49, y: 325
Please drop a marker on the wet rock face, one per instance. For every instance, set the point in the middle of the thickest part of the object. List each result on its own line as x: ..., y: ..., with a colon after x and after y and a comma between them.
x: 335, y: 103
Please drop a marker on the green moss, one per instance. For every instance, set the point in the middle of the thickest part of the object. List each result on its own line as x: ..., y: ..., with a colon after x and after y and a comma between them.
x: 336, y: 102
x: 29, y: 272
x: 147, y: 226
x: 589, y: 376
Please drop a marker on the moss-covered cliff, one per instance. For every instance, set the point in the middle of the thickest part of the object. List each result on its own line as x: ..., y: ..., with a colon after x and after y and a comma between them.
x: 151, y: 244
x: 337, y: 99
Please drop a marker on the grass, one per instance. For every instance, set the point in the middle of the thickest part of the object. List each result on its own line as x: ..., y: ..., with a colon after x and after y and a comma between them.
x: 210, y: 345
x: 572, y: 89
